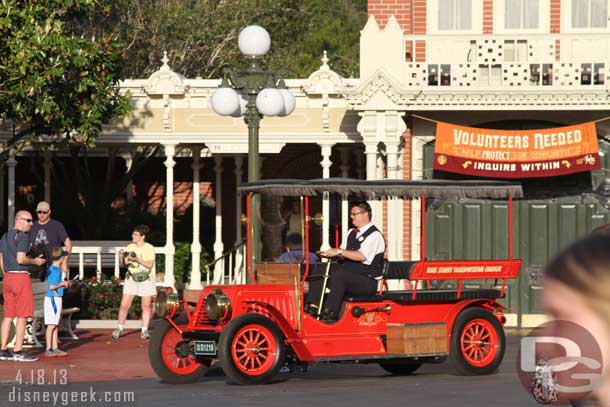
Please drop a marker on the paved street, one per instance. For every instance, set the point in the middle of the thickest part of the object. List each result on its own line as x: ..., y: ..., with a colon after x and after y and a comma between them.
x: 325, y: 384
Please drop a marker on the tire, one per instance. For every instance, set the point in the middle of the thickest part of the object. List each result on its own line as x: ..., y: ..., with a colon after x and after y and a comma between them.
x: 168, y: 360
x: 400, y: 367
x: 238, y: 350
x: 477, y: 342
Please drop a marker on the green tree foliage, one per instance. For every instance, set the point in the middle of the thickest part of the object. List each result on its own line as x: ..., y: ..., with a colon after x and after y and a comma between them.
x: 54, y: 79
x: 200, y: 36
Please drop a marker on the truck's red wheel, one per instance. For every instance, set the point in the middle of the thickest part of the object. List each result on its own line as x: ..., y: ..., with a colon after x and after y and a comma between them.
x: 477, y: 342
x: 171, y: 357
x: 251, y: 349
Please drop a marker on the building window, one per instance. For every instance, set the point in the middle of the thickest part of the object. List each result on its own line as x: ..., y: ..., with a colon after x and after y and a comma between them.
x: 521, y: 14
x: 589, y: 13
x: 455, y: 14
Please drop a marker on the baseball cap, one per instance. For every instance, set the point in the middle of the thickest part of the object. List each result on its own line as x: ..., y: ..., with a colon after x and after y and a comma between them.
x: 43, y: 206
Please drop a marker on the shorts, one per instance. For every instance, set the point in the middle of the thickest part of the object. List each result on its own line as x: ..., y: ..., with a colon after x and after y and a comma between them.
x: 141, y: 289
x: 50, y: 316
x: 18, y: 296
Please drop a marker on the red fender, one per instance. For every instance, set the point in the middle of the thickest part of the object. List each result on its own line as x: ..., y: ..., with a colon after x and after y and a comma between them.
x: 292, y: 338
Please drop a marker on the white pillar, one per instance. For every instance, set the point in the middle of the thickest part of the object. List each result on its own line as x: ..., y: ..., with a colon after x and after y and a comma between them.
x: 219, y: 267
x: 326, y: 163
x: 370, y: 150
x: 394, y: 128
x: 46, y: 165
x: 239, y: 160
x: 238, y: 266
x: 195, y: 280
x: 11, y: 164
x: 394, y: 213
x: 170, y: 151
x: 344, y: 153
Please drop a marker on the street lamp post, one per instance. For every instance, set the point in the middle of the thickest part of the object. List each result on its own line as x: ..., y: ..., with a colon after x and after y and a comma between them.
x: 253, y: 93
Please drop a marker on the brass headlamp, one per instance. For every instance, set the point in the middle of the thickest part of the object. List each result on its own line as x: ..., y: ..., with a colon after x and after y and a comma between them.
x: 217, y: 306
x: 166, y: 304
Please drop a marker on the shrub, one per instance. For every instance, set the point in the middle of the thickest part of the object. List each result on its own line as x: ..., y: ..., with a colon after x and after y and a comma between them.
x: 101, y: 299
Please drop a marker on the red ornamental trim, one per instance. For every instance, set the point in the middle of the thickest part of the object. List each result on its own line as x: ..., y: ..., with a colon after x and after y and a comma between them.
x: 527, y: 169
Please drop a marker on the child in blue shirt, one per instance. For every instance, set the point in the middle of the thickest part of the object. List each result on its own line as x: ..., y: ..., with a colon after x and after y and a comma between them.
x: 53, y: 302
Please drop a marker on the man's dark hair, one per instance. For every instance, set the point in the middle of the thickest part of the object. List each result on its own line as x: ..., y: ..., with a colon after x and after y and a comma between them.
x: 142, y: 229
x: 294, y: 239
x: 363, y: 206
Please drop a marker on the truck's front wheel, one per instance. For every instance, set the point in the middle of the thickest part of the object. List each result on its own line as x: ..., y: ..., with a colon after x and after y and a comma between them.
x: 251, y: 349
x: 171, y: 357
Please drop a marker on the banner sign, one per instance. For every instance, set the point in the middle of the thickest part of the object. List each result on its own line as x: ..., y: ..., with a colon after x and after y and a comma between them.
x: 516, y: 153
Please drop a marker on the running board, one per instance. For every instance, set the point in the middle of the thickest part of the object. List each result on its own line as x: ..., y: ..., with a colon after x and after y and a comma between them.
x: 424, y: 358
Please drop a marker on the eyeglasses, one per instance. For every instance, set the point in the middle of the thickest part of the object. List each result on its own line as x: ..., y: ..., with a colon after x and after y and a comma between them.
x: 40, y: 212
x: 355, y: 213
x: 27, y: 220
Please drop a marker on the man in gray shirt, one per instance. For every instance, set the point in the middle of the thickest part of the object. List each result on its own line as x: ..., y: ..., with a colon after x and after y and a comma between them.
x: 17, y: 286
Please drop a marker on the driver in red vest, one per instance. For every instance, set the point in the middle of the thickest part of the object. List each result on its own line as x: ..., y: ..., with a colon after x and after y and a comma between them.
x: 361, y: 252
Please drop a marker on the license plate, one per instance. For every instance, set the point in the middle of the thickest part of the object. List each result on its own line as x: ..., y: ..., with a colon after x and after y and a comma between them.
x: 205, y: 348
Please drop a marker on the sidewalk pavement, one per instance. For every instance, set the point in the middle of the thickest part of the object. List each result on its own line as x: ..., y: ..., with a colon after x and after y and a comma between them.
x: 94, y: 357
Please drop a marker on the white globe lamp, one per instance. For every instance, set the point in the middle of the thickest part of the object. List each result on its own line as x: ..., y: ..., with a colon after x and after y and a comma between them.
x: 254, y: 41
x: 270, y: 102
x: 289, y: 102
x: 243, y: 106
x: 225, y: 101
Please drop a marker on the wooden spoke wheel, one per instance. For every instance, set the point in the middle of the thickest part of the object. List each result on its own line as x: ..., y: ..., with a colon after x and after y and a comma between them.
x: 251, y: 349
x: 477, y: 342
x: 171, y: 356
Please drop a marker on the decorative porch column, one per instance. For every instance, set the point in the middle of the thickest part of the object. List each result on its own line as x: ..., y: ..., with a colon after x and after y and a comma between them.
x: 326, y: 163
x: 371, y: 152
x: 345, y: 153
x: 195, y: 280
x: 238, y: 267
x: 170, y: 249
x: 394, y: 128
x: 11, y: 163
x: 47, y: 165
x: 219, y: 268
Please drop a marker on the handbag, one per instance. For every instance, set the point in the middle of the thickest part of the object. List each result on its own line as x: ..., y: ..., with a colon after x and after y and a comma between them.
x: 139, y: 276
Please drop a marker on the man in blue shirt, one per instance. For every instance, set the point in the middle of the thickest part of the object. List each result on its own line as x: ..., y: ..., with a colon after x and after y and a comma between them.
x: 294, y: 251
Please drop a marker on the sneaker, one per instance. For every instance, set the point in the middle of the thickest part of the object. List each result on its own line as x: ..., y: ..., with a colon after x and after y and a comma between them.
x: 21, y: 356
x: 117, y: 333
x: 145, y: 335
x: 60, y: 353
x: 50, y: 353
x: 6, y: 355
x: 286, y: 368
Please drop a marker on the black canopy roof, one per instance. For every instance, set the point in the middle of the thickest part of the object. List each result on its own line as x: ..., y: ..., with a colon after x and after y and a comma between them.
x: 443, y: 189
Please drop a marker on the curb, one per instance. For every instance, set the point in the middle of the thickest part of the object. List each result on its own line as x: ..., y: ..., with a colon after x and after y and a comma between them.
x: 108, y: 323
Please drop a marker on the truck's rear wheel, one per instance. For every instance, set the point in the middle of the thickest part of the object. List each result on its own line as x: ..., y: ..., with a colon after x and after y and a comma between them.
x: 477, y: 342
x: 171, y: 357
x: 251, y: 349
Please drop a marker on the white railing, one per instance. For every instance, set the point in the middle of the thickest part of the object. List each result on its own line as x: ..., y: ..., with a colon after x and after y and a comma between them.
x: 235, y: 270
x: 105, y: 254
x: 102, y: 254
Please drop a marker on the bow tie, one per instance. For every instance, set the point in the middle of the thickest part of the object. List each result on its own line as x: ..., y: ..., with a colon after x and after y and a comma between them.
x: 356, y: 230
